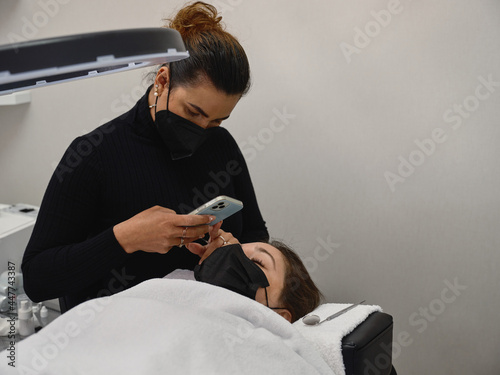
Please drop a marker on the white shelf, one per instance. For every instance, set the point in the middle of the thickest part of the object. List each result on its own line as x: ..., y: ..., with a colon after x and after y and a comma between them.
x: 16, y: 98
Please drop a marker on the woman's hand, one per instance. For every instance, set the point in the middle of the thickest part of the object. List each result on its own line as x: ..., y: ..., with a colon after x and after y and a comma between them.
x: 158, y: 229
x: 218, y: 238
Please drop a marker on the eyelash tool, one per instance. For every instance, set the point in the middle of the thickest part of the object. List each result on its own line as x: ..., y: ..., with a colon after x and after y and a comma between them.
x: 312, y: 320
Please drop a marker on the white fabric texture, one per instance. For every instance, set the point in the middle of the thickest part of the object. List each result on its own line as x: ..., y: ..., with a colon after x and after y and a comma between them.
x: 327, y: 337
x: 168, y: 327
x: 181, y: 274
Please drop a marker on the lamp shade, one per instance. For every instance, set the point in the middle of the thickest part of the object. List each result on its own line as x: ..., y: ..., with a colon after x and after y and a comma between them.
x: 43, y: 62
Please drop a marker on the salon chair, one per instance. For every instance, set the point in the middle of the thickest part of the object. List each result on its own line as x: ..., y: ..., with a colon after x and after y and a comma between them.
x: 367, y: 350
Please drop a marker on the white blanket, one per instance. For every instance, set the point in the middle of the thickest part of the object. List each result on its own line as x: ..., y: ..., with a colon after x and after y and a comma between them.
x: 327, y: 337
x: 167, y: 327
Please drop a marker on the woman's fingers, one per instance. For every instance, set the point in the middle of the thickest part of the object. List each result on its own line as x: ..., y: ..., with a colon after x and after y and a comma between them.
x: 214, y: 230
x: 196, y: 248
x: 191, y: 233
x: 209, y: 249
x: 227, y: 238
x: 158, y: 229
x: 222, y: 239
x: 193, y: 220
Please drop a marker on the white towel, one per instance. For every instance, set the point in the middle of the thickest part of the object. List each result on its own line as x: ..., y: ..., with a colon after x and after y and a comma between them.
x: 181, y: 275
x: 168, y: 327
x: 327, y: 336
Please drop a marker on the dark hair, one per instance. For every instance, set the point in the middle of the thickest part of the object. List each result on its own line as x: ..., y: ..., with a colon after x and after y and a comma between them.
x: 299, y: 295
x: 214, y: 54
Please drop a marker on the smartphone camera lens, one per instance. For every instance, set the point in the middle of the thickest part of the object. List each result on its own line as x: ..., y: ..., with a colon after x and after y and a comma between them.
x: 219, y: 206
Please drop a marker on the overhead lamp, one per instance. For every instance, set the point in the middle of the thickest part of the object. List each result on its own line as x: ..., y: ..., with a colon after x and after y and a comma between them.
x: 44, y: 62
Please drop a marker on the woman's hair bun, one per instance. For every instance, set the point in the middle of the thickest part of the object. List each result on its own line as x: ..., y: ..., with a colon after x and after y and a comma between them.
x: 214, y: 54
x: 196, y: 18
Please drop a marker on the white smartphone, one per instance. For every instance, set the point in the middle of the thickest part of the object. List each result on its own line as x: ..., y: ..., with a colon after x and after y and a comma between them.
x: 221, y: 207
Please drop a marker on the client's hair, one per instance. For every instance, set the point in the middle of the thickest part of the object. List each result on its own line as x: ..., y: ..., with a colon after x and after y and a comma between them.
x: 300, y: 295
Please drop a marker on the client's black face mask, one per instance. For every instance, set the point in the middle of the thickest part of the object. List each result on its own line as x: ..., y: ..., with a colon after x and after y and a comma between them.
x: 230, y: 268
x: 182, y: 136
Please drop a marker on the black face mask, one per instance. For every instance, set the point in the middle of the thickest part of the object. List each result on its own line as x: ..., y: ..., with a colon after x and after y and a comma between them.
x: 230, y: 268
x: 182, y: 136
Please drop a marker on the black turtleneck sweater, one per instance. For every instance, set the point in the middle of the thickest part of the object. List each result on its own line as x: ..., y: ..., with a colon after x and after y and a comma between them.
x: 108, y: 176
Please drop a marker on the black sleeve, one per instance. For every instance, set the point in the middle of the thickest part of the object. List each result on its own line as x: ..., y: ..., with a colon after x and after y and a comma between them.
x: 66, y: 253
x: 254, y: 226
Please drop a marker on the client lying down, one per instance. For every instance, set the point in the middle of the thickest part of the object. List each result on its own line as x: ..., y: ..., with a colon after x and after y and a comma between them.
x: 179, y: 326
x: 270, y: 273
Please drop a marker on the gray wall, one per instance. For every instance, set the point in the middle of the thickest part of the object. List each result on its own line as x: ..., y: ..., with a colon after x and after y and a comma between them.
x: 371, y: 136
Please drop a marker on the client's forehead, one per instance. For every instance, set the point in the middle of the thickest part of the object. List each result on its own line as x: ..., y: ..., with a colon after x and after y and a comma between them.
x: 265, y: 247
x: 270, y: 251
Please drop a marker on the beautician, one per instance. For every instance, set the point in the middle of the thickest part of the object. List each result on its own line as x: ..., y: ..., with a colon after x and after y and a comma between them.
x: 113, y: 214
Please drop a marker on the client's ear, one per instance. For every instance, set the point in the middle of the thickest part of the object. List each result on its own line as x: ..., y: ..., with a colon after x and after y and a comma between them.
x: 285, y: 314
